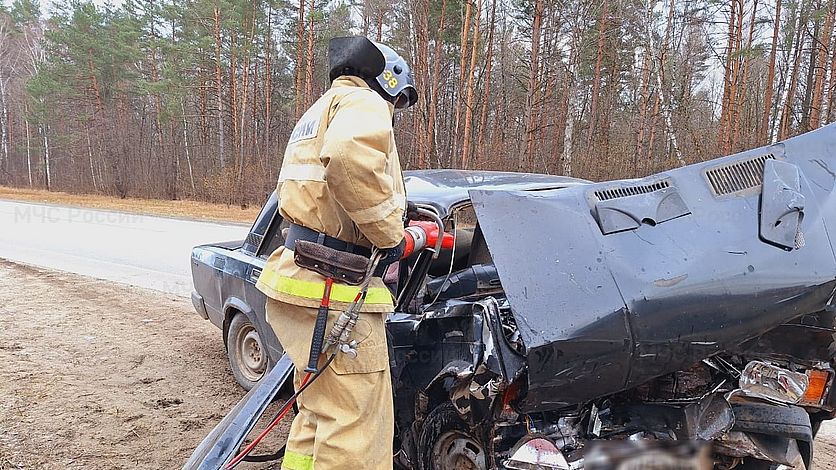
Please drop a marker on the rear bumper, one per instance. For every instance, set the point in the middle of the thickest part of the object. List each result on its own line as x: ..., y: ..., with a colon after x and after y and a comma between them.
x: 199, y: 305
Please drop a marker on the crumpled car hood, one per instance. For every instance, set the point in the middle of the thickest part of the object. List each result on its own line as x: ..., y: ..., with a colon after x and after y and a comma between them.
x: 615, y: 283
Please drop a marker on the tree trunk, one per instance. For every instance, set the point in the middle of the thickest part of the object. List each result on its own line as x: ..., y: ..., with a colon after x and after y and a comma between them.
x: 742, y: 89
x: 663, y: 103
x: 765, y: 131
x: 94, y: 83
x: 90, y: 158
x: 644, y: 97
x: 4, y: 125
x: 47, y: 174
x: 532, y: 96
x: 465, y: 38
x: 596, y: 80
x: 158, y: 130
x: 28, y: 144
x: 786, y: 114
x: 734, y: 96
x: 219, y: 89
x: 233, y: 106
x: 367, y: 18
x: 744, y: 84
x: 300, y: 57
x: 831, y: 89
x: 204, y: 113
x: 309, y: 68
x: 244, y: 96
x: 486, y: 95
x: 186, y: 150
x: 723, y: 135
x: 176, y: 179
x: 422, y: 81
x: 268, y: 82
x: 806, y: 103
x: 468, y: 111
x: 573, y: 104
x: 436, y: 77
x: 822, y: 46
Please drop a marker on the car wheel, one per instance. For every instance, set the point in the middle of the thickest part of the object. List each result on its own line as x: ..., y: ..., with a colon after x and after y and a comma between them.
x: 447, y: 443
x: 247, y: 355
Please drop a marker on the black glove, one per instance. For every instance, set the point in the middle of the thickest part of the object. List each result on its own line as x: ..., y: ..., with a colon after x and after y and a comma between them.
x: 390, y: 255
x: 411, y: 211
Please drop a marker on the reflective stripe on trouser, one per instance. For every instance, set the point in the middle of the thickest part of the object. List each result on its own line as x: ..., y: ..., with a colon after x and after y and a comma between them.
x: 346, y: 417
x: 315, y: 289
x: 296, y: 461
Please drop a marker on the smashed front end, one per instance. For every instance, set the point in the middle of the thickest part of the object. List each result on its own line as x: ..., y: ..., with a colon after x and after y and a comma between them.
x: 685, y: 306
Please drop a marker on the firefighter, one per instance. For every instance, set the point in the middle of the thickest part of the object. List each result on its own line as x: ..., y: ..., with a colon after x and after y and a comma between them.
x: 341, y: 186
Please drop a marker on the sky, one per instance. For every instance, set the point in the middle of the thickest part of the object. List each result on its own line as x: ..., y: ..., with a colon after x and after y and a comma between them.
x: 46, y: 5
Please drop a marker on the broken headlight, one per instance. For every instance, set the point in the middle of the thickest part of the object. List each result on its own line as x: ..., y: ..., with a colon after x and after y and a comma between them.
x: 765, y: 381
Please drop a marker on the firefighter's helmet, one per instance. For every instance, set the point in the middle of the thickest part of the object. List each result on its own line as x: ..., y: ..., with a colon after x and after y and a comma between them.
x: 383, y: 69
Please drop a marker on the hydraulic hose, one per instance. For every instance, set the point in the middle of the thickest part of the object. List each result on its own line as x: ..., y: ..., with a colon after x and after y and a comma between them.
x: 306, y: 382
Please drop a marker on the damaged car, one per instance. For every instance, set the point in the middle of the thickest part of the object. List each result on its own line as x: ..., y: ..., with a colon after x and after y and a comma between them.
x: 684, y: 317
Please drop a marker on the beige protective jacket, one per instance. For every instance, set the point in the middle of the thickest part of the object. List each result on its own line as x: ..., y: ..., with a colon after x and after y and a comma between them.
x: 340, y: 176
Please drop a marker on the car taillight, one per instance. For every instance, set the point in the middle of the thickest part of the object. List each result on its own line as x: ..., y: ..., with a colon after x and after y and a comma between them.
x: 818, y: 381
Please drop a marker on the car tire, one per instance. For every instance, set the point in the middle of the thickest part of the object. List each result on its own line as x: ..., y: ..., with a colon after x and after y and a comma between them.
x: 447, y: 442
x: 247, y: 354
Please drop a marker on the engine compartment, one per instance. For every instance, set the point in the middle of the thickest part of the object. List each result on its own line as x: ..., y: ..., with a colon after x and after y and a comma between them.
x: 457, y: 343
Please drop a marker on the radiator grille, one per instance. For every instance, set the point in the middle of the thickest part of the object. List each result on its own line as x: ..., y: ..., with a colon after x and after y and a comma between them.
x: 738, y: 176
x: 625, y: 191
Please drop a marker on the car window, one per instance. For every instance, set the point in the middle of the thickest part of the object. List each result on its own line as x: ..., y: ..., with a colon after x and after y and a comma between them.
x: 261, y: 224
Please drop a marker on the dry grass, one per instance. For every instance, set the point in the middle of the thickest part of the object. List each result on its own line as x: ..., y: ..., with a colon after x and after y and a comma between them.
x: 179, y: 209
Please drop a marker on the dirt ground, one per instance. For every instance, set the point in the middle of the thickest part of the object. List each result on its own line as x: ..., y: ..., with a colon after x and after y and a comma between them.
x: 181, y: 209
x: 99, y: 375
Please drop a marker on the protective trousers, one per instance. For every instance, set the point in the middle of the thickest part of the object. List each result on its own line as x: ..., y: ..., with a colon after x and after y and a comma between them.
x: 346, y: 417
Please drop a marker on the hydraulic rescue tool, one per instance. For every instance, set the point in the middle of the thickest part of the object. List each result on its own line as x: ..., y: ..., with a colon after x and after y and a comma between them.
x: 416, y: 236
x: 344, y: 268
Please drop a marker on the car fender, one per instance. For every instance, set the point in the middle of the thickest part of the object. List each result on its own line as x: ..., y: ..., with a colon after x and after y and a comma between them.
x: 234, y: 305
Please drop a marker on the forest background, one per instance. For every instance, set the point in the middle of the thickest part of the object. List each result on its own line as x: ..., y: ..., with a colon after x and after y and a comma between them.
x: 195, y: 99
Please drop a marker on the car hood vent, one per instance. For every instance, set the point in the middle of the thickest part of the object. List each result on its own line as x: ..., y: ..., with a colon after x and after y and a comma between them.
x: 625, y: 191
x: 737, y: 177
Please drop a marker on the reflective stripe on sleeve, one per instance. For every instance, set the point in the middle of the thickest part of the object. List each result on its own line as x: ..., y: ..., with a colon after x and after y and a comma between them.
x: 296, y: 461
x: 302, y: 172
x: 378, y: 212
x: 315, y: 289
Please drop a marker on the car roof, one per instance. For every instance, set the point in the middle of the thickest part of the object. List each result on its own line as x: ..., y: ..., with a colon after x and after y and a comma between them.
x: 444, y: 188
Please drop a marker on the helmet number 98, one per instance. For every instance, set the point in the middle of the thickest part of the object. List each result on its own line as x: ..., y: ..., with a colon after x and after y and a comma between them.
x: 390, y: 79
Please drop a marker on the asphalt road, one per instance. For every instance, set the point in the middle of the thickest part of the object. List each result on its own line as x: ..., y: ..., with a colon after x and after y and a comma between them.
x: 140, y: 250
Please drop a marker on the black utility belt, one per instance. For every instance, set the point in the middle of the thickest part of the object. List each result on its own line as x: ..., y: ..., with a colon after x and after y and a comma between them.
x: 339, y: 260
x: 298, y: 232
